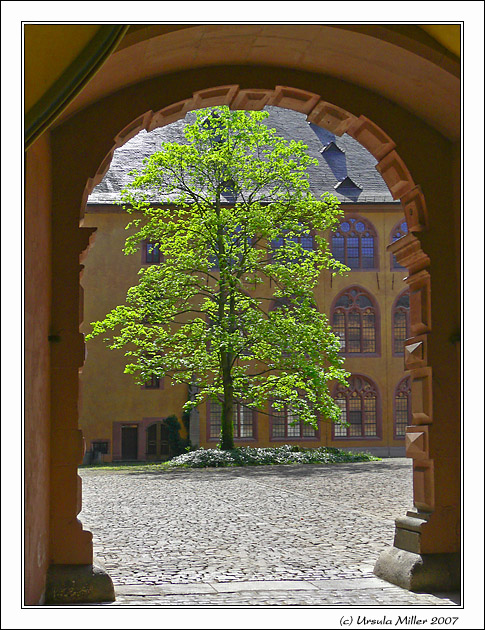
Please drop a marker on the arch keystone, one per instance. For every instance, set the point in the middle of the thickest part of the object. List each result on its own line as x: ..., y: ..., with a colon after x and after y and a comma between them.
x: 253, y: 100
x: 222, y: 95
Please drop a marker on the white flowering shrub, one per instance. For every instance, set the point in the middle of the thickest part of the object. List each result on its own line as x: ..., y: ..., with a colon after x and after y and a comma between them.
x: 247, y: 456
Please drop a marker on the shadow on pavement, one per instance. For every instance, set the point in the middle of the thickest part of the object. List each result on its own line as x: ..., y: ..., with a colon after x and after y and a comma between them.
x: 289, y: 471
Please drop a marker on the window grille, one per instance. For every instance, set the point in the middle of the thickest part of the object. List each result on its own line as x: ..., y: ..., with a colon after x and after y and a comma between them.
x: 285, y: 423
x: 359, y: 408
x: 400, y: 323
x: 354, y: 243
x: 243, y: 421
x: 354, y: 320
x: 402, y: 407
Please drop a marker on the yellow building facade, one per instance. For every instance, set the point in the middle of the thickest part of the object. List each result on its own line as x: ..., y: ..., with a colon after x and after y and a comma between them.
x: 368, y: 308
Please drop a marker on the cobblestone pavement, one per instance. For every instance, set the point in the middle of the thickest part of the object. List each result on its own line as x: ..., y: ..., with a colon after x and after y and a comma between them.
x: 272, y: 535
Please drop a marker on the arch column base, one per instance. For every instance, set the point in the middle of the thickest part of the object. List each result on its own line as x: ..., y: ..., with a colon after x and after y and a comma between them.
x: 78, y: 584
x: 424, y: 573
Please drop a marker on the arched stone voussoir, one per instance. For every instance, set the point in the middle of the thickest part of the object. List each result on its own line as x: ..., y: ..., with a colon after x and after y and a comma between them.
x: 396, y: 174
x: 330, y: 117
x: 169, y: 114
x: 414, y: 205
x: 252, y: 99
x: 133, y: 128
x: 371, y: 136
x: 294, y: 98
x: 212, y: 97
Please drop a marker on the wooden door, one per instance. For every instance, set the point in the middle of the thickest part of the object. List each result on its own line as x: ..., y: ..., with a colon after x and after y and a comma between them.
x: 129, y: 442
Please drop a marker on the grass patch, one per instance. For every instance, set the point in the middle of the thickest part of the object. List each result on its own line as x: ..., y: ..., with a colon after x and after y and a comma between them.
x: 245, y: 456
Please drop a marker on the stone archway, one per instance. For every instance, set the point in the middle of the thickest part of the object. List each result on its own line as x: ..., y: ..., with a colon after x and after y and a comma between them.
x: 432, y: 529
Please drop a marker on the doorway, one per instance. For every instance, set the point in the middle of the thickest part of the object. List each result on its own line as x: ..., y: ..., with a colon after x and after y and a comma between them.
x: 158, y: 447
x: 129, y: 442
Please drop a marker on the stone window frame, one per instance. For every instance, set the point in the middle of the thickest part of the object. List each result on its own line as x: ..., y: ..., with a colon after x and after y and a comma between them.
x: 335, y: 308
x: 368, y: 231
x: 237, y: 425
x: 398, y: 308
x: 402, y: 391
x: 361, y: 393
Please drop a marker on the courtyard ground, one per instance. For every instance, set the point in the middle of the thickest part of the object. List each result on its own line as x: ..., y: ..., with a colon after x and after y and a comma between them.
x: 305, y: 535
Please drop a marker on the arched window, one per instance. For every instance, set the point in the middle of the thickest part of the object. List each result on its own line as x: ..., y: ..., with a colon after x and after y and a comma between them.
x: 400, y: 323
x: 397, y: 232
x: 354, y: 243
x: 360, y: 407
x: 355, y: 321
x: 402, y: 407
x: 286, y: 424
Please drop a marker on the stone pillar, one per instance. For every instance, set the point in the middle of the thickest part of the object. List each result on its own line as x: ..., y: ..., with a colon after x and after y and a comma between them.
x: 72, y: 577
x: 194, y: 422
x: 425, y: 555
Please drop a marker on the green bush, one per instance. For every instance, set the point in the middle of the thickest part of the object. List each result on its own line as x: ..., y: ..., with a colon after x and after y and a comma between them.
x: 247, y: 456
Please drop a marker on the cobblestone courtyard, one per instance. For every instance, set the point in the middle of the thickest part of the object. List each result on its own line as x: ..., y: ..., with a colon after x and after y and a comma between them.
x: 271, y: 535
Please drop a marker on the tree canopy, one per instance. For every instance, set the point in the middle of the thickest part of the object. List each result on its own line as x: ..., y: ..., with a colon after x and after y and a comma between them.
x: 230, y: 308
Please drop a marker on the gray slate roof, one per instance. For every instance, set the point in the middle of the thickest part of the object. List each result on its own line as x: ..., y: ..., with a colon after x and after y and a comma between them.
x: 344, y: 168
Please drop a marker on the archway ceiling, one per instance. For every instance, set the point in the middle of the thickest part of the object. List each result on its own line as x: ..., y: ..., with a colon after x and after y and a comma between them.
x: 403, y: 64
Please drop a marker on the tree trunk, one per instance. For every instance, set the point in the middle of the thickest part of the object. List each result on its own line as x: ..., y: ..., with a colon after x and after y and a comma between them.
x: 227, y: 411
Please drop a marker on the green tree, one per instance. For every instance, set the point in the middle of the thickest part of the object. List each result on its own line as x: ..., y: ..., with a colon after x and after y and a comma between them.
x: 229, y: 209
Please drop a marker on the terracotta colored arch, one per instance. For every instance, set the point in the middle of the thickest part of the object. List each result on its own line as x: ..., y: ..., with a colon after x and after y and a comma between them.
x: 319, y: 112
x: 69, y: 184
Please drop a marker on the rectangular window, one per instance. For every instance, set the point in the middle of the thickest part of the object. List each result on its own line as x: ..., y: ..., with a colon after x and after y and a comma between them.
x: 354, y: 332
x: 355, y: 417
x: 243, y: 421
x: 341, y: 431
x: 401, y: 415
x: 353, y: 252
x: 338, y: 248
x: 100, y: 446
x: 151, y: 253
x: 400, y: 332
x: 368, y: 332
x: 370, y: 411
x: 367, y: 252
x: 282, y: 425
x: 153, y: 383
